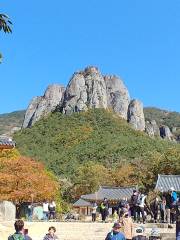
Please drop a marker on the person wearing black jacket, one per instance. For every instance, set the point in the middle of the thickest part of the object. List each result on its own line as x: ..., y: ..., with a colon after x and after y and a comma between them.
x: 154, y: 208
x: 168, y: 206
x: 104, y: 209
x: 134, y: 204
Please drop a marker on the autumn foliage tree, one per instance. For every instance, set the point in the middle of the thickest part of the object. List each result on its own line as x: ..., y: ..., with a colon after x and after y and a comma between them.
x: 22, y: 179
x: 124, y: 175
x: 9, y: 154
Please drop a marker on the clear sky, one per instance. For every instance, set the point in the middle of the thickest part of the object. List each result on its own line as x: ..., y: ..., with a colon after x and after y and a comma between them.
x: 139, y: 40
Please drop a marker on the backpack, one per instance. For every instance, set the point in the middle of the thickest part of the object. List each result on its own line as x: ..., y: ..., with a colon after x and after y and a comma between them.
x: 17, y: 237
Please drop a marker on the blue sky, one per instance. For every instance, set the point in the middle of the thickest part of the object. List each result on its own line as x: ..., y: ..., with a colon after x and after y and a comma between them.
x: 136, y: 39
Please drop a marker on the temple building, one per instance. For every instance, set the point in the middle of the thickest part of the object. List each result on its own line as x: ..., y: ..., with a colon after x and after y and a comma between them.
x: 7, y: 143
x: 113, y: 194
x: 166, y: 182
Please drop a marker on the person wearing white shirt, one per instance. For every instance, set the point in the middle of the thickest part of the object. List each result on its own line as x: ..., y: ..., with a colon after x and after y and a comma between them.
x: 142, y: 205
x: 45, y: 210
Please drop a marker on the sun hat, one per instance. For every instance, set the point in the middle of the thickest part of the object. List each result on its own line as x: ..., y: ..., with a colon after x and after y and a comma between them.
x: 139, y: 230
x: 116, y: 225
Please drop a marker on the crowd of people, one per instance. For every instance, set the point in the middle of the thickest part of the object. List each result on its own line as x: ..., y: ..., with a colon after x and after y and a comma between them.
x: 139, y: 233
x: 115, y: 234
x: 124, y: 215
x: 48, y: 208
x: 160, y: 209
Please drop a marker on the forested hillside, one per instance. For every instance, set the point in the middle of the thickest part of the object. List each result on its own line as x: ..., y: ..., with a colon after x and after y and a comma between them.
x: 8, y: 121
x: 163, y: 117
x: 97, y: 137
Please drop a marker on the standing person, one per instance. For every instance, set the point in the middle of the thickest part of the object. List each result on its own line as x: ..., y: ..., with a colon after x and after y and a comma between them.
x: 51, y: 234
x: 127, y: 224
x: 115, y: 234
x: 142, y: 206
x: 173, y: 196
x: 104, y: 209
x: 154, y: 208
x: 94, y: 209
x: 139, y: 234
x: 134, y: 201
x: 173, y: 205
x: 52, y: 210
x: 123, y: 204
x: 45, y: 210
x: 168, y: 205
x: 30, y: 212
x: 163, y: 210
x: 19, y: 228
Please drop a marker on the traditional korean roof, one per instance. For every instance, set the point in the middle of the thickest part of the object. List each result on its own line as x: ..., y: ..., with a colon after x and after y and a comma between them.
x: 165, y: 182
x: 81, y: 203
x: 111, y: 193
x: 6, y: 142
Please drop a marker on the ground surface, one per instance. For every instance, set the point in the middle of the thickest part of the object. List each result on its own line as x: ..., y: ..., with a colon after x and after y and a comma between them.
x: 75, y: 230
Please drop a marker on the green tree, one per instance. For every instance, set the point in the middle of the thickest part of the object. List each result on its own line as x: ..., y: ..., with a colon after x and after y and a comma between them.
x: 89, y: 177
x: 5, y: 25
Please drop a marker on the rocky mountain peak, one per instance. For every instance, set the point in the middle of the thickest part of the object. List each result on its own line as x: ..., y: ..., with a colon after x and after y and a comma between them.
x: 88, y: 89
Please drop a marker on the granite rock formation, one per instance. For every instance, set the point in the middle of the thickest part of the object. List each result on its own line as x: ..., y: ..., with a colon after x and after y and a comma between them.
x: 166, y: 133
x: 152, y: 128
x: 7, y: 211
x: 118, y: 97
x: 90, y: 89
x: 136, y: 115
x: 87, y: 89
x: 41, y: 106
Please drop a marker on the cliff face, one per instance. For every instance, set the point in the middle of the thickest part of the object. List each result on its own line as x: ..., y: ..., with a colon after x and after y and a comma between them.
x: 88, y: 89
x: 136, y: 115
x: 41, y: 106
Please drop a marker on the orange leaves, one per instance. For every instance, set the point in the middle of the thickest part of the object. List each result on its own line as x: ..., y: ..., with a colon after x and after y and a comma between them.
x: 22, y: 178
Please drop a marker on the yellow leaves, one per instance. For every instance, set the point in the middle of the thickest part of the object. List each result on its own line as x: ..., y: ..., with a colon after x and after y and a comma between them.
x: 124, y: 175
x: 9, y: 154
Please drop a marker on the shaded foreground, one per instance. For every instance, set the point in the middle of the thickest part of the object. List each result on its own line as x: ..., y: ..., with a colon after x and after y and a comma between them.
x: 76, y: 230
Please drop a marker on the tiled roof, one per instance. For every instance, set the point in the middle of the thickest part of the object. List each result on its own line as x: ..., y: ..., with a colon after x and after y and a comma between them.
x: 7, y: 142
x: 111, y: 193
x: 81, y: 203
x: 165, y: 182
